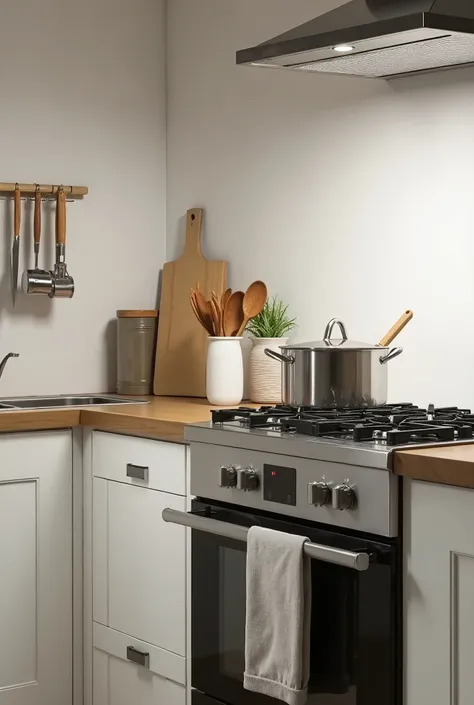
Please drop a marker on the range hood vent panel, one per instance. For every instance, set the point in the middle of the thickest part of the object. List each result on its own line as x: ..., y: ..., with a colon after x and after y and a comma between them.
x: 388, y: 38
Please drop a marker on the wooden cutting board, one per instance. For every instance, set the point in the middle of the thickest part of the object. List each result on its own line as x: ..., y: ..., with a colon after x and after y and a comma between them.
x: 181, y: 349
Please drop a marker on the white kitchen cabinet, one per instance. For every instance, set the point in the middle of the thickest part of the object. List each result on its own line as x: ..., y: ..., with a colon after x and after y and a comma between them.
x: 439, y: 594
x: 36, y: 595
x: 118, y: 681
x: 137, y: 566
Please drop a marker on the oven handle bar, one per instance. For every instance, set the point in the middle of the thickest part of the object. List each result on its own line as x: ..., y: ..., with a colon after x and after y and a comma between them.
x: 328, y: 554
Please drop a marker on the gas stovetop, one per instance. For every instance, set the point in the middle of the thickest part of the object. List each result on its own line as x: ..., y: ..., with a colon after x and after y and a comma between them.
x: 389, y: 425
x: 364, y: 436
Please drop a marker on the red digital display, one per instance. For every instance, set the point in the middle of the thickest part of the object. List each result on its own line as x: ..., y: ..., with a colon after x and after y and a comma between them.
x: 273, y: 473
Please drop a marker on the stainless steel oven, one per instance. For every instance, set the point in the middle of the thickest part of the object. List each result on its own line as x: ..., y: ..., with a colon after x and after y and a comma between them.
x: 356, y: 615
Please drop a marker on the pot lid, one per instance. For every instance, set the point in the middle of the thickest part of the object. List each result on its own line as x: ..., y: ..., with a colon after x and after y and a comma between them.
x: 330, y: 343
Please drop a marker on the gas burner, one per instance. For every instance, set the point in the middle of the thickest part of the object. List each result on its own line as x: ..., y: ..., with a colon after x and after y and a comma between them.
x: 390, y: 425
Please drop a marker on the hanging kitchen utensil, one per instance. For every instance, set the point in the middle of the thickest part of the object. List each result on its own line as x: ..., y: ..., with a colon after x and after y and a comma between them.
x: 181, y: 352
x: 253, y: 303
x: 16, y: 242
x: 397, y: 328
x: 37, y: 281
x: 63, y: 283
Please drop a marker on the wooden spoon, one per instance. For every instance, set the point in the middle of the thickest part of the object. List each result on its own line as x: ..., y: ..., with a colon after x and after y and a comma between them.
x: 397, y: 328
x: 224, y: 299
x: 233, y: 313
x: 253, y: 303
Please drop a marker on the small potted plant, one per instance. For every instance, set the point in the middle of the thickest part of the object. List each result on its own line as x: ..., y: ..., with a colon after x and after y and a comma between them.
x: 268, y: 330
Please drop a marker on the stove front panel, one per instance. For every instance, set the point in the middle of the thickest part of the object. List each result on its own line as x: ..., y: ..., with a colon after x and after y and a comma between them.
x: 357, y: 498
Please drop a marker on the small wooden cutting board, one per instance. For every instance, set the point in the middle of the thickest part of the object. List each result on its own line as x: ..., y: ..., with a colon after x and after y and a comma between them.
x: 181, y: 349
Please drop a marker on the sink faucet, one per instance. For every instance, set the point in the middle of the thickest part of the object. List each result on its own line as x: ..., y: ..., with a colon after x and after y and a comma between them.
x: 5, y: 360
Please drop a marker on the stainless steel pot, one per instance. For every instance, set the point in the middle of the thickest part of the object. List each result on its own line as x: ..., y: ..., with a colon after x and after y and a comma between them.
x: 334, y: 372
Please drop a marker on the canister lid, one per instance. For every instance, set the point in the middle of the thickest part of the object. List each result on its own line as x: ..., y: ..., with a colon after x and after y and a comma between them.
x: 137, y: 314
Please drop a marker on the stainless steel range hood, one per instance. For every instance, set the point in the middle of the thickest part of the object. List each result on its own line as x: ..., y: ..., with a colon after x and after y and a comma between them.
x: 375, y: 39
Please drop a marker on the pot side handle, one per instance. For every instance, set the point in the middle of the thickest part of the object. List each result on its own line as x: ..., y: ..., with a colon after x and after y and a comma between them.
x: 391, y: 355
x: 287, y: 359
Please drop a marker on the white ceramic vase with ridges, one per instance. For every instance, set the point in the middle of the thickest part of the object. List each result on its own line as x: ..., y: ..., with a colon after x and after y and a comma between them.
x: 265, y: 373
x: 224, y: 371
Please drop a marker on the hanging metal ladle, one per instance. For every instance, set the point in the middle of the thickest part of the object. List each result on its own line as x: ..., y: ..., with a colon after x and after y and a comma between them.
x: 62, y: 282
x: 37, y: 281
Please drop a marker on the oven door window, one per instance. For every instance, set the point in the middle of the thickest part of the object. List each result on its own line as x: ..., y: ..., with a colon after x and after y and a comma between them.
x: 353, y: 628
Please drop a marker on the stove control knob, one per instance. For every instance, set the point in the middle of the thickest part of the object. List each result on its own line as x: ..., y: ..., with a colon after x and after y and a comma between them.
x: 319, y: 494
x: 228, y: 476
x: 343, y: 497
x: 247, y: 479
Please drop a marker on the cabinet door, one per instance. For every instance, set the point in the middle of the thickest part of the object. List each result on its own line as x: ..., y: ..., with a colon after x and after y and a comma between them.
x: 139, y: 564
x: 120, y: 682
x: 36, y: 569
x: 439, y: 590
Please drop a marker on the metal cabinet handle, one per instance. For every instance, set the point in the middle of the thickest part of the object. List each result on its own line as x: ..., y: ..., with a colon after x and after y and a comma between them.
x: 328, y: 554
x: 138, y: 472
x: 139, y: 657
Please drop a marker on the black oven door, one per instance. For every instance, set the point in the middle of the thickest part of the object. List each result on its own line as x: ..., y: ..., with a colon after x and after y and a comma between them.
x: 355, y: 624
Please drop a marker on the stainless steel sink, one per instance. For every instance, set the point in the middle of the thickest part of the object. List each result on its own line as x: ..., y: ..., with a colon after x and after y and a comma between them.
x: 17, y: 403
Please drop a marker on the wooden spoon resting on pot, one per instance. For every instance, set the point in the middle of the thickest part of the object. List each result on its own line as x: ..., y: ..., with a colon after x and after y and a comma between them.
x: 396, y: 329
x: 253, y: 303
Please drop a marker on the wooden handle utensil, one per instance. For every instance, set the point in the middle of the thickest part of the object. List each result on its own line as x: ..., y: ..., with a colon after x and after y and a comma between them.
x: 397, y: 328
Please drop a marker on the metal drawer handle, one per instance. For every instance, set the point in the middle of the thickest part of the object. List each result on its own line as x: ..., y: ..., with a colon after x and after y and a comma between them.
x: 328, y: 554
x: 138, y: 472
x: 139, y: 657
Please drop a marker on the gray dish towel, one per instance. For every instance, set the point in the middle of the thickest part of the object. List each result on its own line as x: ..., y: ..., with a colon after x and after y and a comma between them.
x: 277, y: 626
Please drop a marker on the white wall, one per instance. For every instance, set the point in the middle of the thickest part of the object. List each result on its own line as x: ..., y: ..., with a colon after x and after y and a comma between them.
x: 349, y: 197
x: 83, y: 102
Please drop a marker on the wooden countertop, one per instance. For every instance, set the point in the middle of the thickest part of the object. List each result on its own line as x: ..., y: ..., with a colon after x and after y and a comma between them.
x: 163, y: 418
x: 447, y: 465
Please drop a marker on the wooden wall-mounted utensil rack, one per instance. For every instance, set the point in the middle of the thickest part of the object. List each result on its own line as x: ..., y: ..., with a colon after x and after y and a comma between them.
x: 71, y: 192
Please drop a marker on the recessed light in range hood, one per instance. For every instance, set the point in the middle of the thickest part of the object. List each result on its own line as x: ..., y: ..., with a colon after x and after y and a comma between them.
x: 375, y: 39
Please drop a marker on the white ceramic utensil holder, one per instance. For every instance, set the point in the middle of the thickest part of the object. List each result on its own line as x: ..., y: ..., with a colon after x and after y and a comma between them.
x: 265, y: 373
x: 224, y: 371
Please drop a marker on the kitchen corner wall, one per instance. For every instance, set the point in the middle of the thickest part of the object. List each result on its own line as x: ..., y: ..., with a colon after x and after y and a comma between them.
x: 350, y: 197
x: 83, y: 102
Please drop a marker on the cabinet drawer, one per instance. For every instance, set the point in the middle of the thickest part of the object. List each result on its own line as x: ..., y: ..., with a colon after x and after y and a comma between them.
x: 140, y: 461
x: 162, y: 663
x: 139, y: 564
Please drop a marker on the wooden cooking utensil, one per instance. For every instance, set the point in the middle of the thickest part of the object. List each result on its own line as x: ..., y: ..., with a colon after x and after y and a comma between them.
x: 397, y: 328
x: 224, y: 299
x: 204, y: 311
x: 215, y: 315
x: 206, y: 323
x: 219, y: 310
x: 233, y: 313
x: 181, y: 349
x: 254, y: 301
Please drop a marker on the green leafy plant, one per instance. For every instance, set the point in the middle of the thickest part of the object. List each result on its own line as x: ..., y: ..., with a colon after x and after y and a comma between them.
x: 273, y: 321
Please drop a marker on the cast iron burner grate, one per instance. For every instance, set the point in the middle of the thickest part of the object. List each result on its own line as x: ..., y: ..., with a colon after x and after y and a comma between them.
x: 391, y: 424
